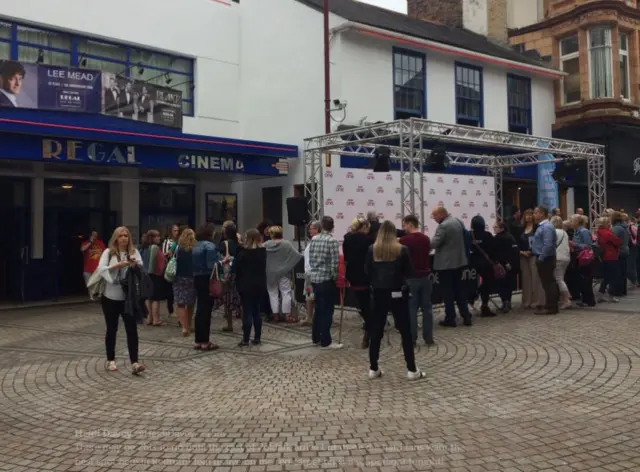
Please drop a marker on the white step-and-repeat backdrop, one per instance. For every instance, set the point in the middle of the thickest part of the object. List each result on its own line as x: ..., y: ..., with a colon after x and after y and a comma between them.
x: 349, y: 193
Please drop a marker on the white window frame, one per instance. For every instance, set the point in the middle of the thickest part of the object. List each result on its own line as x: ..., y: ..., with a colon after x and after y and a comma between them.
x: 625, y: 52
x: 567, y: 57
x: 610, y: 46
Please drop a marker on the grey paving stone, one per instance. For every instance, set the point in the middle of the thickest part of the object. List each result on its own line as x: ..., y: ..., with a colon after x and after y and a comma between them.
x: 518, y: 392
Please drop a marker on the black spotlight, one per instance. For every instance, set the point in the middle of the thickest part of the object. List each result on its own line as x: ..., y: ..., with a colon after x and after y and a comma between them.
x: 566, y: 170
x: 438, y: 159
x: 381, y: 159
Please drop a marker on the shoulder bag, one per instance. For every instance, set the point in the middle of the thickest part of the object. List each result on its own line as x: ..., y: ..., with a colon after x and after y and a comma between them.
x: 215, y: 285
x: 225, y: 269
x: 499, y: 272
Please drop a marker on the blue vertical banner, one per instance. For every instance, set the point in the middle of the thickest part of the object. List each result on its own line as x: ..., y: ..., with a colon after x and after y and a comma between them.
x: 547, y: 187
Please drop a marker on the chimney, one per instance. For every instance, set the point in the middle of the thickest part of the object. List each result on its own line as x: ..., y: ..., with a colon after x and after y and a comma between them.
x: 485, y: 17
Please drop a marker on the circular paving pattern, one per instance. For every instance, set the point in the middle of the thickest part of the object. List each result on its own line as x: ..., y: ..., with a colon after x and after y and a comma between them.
x: 514, y: 393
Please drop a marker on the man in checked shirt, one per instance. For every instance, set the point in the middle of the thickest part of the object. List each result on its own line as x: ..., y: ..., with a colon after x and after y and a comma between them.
x: 324, y: 257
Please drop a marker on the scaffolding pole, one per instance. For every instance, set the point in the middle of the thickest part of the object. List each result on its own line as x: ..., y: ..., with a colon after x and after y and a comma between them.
x: 411, y: 140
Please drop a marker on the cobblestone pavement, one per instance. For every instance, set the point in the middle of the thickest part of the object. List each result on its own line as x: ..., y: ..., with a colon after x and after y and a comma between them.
x: 514, y: 393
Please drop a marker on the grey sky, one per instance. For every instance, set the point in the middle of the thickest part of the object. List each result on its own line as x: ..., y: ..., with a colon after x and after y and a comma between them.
x: 397, y: 5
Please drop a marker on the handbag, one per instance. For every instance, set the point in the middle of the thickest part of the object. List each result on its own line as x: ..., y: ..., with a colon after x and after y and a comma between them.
x: 585, y: 257
x: 499, y: 272
x: 96, y: 286
x: 215, y: 285
x: 170, y: 270
x: 225, y: 269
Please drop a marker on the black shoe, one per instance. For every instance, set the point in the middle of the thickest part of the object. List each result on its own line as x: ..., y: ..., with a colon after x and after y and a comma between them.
x: 448, y: 324
x: 430, y: 343
x: 486, y: 312
x: 468, y: 322
x: 255, y: 342
x: 243, y: 343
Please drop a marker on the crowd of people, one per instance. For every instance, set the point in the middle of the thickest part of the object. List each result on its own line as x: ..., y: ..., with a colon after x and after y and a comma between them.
x: 388, y: 269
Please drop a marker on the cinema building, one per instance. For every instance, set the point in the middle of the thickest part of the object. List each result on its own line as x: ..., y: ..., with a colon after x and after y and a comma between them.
x: 118, y: 123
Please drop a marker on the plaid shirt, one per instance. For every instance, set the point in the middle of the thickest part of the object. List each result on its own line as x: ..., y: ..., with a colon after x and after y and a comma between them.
x: 324, y: 257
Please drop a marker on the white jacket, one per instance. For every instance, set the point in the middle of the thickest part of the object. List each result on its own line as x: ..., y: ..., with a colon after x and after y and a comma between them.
x: 563, y: 251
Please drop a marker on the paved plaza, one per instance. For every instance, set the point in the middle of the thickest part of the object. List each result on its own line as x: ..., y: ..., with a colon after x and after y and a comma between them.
x: 514, y: 393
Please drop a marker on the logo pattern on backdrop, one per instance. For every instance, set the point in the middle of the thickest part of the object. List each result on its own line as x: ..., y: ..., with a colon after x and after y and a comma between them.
x: 380, y: 192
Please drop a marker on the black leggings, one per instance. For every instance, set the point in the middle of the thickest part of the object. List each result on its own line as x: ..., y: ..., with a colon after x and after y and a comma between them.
x: 383, y: 302
x: 112, y: 310
x: 204, y: 308
x: 364, y: 303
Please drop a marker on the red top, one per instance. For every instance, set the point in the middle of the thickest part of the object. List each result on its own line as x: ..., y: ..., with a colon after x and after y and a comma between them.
x: 92, y: 255
x: 419, y: 246
x: 342, y: 281
x: 609, y: 243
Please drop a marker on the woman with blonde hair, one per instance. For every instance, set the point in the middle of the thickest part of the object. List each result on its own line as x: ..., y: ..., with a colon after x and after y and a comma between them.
x: 250, y: 269
x: 184, y: 292
x: 582, y: 242
x: 116, y: 260
x: 282, y: 258
x: 388, y: 266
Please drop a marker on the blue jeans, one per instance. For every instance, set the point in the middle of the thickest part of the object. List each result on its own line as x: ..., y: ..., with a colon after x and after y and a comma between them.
x: 453, y: 293
x: 251, y: 317
x: 325, y: 293
x: 420, y: 289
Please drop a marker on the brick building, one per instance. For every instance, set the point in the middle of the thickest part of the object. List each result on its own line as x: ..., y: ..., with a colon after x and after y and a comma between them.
x: 596, y: 44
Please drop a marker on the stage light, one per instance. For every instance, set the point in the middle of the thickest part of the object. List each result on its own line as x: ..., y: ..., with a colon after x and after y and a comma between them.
x: 381, y: 159
x: 565, y: 170
x: 438, y: 159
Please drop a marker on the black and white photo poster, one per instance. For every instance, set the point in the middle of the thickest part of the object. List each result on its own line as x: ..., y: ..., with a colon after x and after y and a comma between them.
x: 141, y: 101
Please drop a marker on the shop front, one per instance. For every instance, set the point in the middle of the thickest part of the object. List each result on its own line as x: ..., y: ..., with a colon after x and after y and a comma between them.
x: 622, y: 141
x: 62, y: 182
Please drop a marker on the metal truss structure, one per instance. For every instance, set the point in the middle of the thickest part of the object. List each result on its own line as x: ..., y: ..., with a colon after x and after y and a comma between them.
x: 411, y: 141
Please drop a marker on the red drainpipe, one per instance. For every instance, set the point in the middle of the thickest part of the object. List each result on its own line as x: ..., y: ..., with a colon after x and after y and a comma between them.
x: 327, y: 74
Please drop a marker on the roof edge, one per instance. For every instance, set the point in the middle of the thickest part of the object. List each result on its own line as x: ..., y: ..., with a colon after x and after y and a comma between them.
x: 382, y: 33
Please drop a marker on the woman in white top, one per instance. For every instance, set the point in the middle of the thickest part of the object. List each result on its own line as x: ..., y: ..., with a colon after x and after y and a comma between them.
x: 563, y: 257
x: 114, y: 262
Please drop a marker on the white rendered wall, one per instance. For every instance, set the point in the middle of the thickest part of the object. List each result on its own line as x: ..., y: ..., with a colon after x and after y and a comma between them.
x: 474, y: 16
x: 206, y: 31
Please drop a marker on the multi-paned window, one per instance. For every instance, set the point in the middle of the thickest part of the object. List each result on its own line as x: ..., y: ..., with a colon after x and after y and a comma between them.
x: 570, y: 64
x: 600, y: 63
x: 623, y: 55
x: 519, y: 104
x: 469, y: 101
x: 30, y: 44
x: 409, y: 84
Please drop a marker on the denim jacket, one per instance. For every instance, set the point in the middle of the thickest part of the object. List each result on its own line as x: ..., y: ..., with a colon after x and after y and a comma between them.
x: 205, y: 256
x: 582, y: 239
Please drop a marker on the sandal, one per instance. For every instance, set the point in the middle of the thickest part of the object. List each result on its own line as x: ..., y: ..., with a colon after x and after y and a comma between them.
x: 185, y: 333
x: 291, y: 319
x: 209, y: 347
x: 136, y: 368
x: 159, y: 323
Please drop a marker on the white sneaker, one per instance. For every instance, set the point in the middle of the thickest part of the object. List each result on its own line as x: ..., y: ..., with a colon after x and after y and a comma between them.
x: 332, y: 346
x: 614, y: 300
x: 111, y: 366
x: 374, y: 374
x: 418, y: 374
